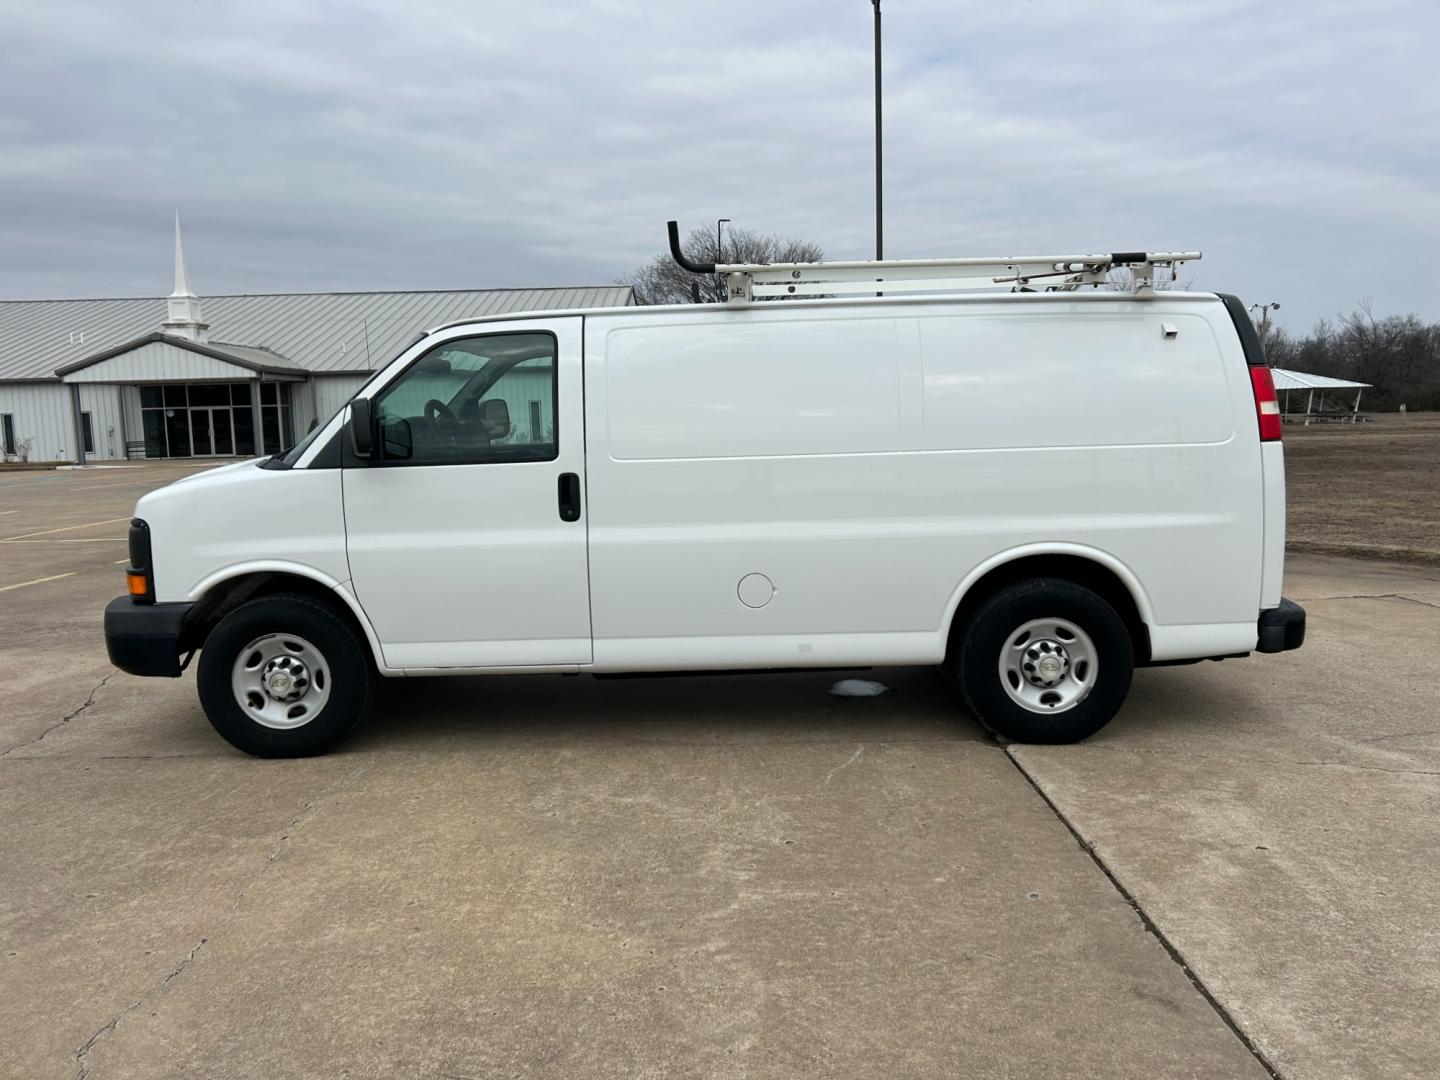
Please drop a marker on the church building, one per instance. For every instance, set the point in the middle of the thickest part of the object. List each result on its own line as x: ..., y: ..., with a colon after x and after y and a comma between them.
x: 115, y: 379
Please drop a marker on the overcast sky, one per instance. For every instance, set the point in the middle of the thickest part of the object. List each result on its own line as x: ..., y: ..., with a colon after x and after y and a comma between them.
x: 401, y: 145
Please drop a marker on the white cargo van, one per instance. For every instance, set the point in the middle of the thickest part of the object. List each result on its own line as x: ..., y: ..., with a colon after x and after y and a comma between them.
x: 1037, y: 491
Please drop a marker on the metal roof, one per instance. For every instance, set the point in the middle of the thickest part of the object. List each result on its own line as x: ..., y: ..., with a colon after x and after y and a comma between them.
x: 318, y: 332
x: 1303, y: 380
x: 256, y: 359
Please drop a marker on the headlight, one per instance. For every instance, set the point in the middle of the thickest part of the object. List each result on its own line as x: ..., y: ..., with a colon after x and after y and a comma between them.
x: 140, y: 575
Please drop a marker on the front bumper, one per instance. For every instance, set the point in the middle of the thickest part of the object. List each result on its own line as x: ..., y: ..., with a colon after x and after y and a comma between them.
x: 144, y: 639
x: 1281, y: 629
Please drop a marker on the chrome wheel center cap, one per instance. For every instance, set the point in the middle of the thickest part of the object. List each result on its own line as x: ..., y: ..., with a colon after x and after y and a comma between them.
x: 285, y: 679
x: 1046, y: 662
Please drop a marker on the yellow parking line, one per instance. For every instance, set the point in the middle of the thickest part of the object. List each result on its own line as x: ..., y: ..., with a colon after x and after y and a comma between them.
x: 71, y: 540
x: 67, y: 528
x: 117, y: 562
x: 38, y: 581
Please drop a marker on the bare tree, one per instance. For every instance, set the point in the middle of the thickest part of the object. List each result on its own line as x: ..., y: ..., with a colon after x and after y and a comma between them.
x: 1399, y: 355
x: 1270, y: 337
x: 1278, y: 346
x: 663, y: 281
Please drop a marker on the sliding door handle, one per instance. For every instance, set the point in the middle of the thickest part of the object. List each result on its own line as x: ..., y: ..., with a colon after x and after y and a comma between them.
x: 569, y: 489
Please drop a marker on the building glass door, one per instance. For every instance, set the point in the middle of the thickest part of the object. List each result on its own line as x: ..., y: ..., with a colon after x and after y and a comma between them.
x: 200, y: 432
x: 212, y: 432
x: 222, y: 431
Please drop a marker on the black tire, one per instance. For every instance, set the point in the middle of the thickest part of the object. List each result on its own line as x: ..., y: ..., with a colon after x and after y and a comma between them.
x: 995, y: 626
x: 351, y: 675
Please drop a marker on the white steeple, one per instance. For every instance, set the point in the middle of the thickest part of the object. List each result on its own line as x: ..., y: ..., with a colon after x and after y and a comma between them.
x: 183, y: 307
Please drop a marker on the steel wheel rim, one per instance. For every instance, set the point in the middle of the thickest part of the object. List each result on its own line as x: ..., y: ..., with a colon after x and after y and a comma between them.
x: 281, y: 681
x: 1048, y: 665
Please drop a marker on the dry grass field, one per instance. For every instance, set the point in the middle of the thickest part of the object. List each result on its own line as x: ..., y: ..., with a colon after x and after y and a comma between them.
x: 1371, y: 490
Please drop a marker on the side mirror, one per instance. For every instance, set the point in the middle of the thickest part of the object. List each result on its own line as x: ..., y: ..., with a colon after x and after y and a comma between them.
x: 496, y: 415
x: 362, y: 427
x: 397, y: 442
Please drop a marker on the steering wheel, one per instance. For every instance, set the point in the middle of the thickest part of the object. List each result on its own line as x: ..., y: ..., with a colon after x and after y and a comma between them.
x: 439, y: 414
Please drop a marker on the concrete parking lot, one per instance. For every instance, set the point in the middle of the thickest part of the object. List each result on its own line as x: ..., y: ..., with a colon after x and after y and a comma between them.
x: 715, y: 877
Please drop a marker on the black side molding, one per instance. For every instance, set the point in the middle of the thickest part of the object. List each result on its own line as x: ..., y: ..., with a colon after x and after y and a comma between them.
x: 1281, y: 629
x: 1249, y: 339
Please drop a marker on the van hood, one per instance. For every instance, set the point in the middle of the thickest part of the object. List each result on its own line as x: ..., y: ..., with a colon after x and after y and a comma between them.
x: 193, y: 483
x: 220, y: 470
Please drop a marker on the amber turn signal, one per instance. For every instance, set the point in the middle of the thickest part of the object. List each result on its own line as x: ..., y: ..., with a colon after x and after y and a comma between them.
x: 136, y: 583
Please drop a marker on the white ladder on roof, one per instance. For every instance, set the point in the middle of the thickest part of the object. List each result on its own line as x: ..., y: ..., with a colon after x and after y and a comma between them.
x: 749, y: 281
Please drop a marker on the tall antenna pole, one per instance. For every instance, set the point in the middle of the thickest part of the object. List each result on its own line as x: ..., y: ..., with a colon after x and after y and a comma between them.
x: 1265, y: 310
x: 879, y: 172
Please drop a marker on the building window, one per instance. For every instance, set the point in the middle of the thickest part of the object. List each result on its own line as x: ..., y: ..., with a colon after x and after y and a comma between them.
x: 177, y: 431
x: 215, y: 419
x: 154, y: 421
x: 276, y: 424
x: 203, y: 419
x: 8, y: 420
x: 244, y: 427
x: 209, y: 394
x: 87, y: 431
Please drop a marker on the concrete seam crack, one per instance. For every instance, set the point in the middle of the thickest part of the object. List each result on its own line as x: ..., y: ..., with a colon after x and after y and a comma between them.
x: 1412, y: 600
x: 288, y: 833
x: 1149, y: 924
x: 1398, y: 735
x: 89, y: 700
x: 82, y: 1055
x: 1372, y: 596
x: 1369, y: 768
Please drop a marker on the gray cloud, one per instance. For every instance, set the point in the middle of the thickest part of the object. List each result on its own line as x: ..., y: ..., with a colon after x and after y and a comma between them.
x: 414, y: 145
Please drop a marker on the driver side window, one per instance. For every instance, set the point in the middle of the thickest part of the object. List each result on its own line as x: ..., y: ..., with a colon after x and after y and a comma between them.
x: 473, y: 401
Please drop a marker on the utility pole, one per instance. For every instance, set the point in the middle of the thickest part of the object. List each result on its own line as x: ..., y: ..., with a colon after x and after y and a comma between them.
x: 879, y: 173
x: 1265, y: 310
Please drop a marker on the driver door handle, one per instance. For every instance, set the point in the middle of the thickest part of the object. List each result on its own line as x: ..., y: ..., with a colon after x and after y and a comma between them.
x: 569, y: 489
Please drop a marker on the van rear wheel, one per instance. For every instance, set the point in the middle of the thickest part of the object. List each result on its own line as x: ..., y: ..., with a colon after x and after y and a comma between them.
x: 1045, y: 661
x: 284, y: 676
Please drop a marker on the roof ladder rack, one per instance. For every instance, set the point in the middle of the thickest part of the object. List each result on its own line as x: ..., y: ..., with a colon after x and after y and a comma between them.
x: 745, y: 282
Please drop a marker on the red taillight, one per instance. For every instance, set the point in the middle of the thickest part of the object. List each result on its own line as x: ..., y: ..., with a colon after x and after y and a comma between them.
x: 1267, y: 406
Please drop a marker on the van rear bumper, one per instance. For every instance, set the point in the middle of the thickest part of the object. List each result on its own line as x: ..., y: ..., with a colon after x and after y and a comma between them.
x: 144, y: 639
x: 1281, y: 629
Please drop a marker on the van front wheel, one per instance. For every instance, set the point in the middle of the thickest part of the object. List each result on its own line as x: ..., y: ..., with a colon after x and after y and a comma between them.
x: 1045, y: 661
x: 284, y: 676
